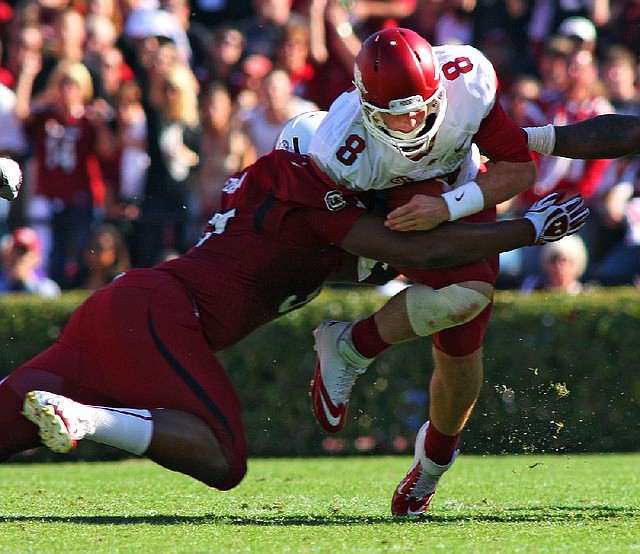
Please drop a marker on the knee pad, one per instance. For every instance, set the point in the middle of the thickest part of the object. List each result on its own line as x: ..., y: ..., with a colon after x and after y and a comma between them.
x: 431, y: 310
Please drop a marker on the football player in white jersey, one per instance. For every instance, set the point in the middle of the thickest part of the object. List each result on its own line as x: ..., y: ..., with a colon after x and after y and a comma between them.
x: 414, y: 119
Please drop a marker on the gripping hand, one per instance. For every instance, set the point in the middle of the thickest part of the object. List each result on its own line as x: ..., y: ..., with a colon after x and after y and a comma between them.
x: 10, y: 178
x: 554, y: 219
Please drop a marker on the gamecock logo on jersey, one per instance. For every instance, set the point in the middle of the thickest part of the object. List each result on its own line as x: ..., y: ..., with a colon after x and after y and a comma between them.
x: 334, y: 200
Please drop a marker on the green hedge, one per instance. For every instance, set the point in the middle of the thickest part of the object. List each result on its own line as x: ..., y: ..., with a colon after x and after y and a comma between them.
x: 560, y: 375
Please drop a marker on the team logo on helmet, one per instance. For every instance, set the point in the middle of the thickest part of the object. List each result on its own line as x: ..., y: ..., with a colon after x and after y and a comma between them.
x: 334, y: 200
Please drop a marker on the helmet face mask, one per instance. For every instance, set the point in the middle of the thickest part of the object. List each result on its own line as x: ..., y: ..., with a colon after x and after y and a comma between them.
x: 397, y: 73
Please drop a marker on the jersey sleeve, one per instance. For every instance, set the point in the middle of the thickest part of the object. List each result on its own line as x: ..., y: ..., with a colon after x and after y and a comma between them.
x: 500, y: 138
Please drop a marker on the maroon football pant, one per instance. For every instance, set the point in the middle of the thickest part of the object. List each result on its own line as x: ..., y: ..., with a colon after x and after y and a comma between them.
x: 136, y: 343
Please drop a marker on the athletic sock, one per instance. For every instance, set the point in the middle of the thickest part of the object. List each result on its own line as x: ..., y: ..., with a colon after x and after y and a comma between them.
x: 366, y: 338
x: 125, y: 428
x: 439, y: 448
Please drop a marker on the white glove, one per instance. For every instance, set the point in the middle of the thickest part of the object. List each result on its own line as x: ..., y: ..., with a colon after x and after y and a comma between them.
x: 11, y: 178
x: 553, y: 219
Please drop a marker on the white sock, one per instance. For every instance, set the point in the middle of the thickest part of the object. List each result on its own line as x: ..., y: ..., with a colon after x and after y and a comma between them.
x: 125, y: 428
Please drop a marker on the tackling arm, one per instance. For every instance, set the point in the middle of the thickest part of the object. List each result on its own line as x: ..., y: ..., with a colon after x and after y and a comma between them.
x: 600, y: 137
x: 458, y: 243
x: 450, y: 244
x: 604, y: 136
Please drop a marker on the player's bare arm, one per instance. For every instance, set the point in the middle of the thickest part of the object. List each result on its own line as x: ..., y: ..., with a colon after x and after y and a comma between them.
x: 458, y: 243
x: 450, y: 244
x: 604, y: 136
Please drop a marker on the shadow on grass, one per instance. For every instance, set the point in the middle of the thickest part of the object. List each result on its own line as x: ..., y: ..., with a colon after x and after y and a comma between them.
x: 527, y: 514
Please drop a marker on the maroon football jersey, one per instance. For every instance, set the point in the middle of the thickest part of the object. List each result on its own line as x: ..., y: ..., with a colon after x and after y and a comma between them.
x: 270, y: 249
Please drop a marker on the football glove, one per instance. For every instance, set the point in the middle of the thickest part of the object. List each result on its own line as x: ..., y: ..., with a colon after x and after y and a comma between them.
x: 554, y: 219
x: 11, y: 179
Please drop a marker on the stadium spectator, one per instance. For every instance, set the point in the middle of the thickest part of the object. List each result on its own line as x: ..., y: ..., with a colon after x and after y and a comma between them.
x: 455, y: 25
x: 563, y: 264
x: 68, y: 136
x: 619, y: 219
x: 547, y: 17
x: 226, y: 48
x: 508, y: 21
x: 624, y: 25
x: 369, y: 16
x: 224, y: 148
x: 101, y: 37
x: 197, y: 36
x: 553, y: 67
x: 620, y: 71
x: 111, y: 9
x: 113, y: 72
x: 125, y: 174
x: 580, y: 30
x: 293, y: 55
x: 262, y: 30
x: 67, y: 43
x: 22, y: 269
x: 173, y: 143
x: 424, y: 20
x: 105, y: 257
x: 23, y: 41
x: 276, y: 106
x: 333, y: 49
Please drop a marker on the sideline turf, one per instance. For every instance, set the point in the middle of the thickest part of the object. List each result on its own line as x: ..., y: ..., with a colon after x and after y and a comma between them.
x: 494, y: 504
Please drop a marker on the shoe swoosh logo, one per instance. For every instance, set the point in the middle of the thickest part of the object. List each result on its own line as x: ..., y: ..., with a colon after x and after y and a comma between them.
x: 331, y: 412
x: 417, y: 508
x: 409, y: 505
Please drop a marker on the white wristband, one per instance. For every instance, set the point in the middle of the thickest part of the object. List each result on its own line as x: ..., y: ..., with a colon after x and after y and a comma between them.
x: 465, y: 200
x: 542, y: 139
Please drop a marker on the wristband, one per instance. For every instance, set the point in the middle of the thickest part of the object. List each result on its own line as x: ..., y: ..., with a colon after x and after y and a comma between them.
x: 541, y: 139
x: 465, y: 200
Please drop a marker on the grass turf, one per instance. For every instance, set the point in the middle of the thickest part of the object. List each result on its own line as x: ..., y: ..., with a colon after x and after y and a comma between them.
x: 494, y: 504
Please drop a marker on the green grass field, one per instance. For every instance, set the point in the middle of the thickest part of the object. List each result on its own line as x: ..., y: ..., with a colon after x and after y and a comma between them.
x: 530, y: 503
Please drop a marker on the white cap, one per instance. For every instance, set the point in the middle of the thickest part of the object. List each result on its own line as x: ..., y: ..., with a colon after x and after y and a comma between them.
x: 579, y: 27
x: 145, y: 22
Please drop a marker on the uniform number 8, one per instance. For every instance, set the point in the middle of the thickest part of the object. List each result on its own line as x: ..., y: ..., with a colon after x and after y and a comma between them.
x: 348, y: 153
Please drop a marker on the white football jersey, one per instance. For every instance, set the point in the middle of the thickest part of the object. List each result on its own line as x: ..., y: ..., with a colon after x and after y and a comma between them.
x: 351, y: 157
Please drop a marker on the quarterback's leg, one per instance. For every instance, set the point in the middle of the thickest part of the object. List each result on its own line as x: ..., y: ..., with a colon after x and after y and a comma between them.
x: 345, y: 349
x: 453, y: 390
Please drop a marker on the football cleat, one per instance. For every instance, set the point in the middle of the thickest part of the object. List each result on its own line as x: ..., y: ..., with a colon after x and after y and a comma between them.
x: 337, y: 368
x: 415, y: 492
x: 62, y: 422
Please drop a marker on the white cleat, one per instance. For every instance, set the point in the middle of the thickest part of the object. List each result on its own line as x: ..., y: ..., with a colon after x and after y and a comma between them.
x: 62, y: 422
x: 338, y: 366
x: 416, y: 491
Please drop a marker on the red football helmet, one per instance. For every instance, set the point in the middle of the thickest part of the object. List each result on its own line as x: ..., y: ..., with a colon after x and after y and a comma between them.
x: 396, y: 72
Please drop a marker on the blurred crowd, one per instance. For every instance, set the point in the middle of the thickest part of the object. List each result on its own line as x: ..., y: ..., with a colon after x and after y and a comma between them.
x: 128, y: 116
